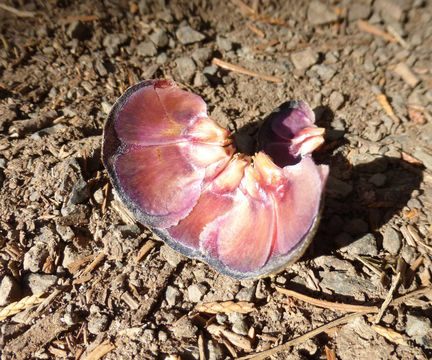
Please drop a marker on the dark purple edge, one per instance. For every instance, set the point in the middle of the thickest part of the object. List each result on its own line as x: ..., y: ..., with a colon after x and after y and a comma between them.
x: 112, y: 147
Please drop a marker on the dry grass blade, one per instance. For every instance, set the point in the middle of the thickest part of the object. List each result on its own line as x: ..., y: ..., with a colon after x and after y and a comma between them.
x: 302, y: 338
x: 19, y: 13
x: 241, y: 70
x: 23, y: 304
x: 414, y: 234
x: 390, y: 335
x: 328, y: 304
x: 226, y: 307
x: 101, y: 350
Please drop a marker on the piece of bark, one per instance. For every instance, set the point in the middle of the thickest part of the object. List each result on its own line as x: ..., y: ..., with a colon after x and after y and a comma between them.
x: 23, y: 127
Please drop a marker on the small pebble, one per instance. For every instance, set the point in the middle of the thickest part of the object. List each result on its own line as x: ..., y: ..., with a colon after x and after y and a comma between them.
x: 196, y: 292
x: 10, y: 291
x: 319, y: 13
x: 185, y: 68
x: 336, y: 100
x: 202, y: 55
x: 159, y: 38
x: 392, y: 241
x: 366, y: 245
x: 186, y: 35
x: 146, y: 48
x: 304, y: 59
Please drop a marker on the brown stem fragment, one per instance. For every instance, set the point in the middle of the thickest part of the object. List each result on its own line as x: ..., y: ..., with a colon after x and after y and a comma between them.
x: 241, y: 70
x: 23, y: 127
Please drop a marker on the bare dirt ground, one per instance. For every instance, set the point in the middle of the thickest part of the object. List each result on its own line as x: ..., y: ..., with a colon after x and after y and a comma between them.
x: 81, y: 280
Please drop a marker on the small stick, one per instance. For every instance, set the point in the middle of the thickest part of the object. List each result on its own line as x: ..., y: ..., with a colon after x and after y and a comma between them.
x: 73, y: 267
x: 101, y: 350
x: 388, y: 299
x: 105, y: 200
x: 328, y: 304
x: 94, y: 263
x: 369, y: 266
x: 202, y: 355
x: 149, y: 244
x: 128, y: 299
x: 227, y: 66
x: 82, y: 279
x: 363, y: 25
x: 256, y: 30
x: 43, y: 305
x: 19, y: 13
x: 414, y: 234
x: 398, y: 38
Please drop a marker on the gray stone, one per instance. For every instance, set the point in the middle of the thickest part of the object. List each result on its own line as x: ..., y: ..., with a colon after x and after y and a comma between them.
x: 162, y: 58
x: 98, y: 323
x: 378, y: 179
x: 187, y: 35
x: 10, y: 291
x: 171, y: 256
x: 324, y: 72
x: 409, y: 254
x: 392, y: 241
x: 80, y: 192
x: 184, y: 328
x: 70, y: 316
x: 366, y: 245
x: 356, y: 227
x: 239, y: 324
x: 70, y: 254
x: 210, y: 70
x: 246, y: 294
x: 35, y: 257
x: 162, y: 336
x: 39, y: 282
x: 343, y: 284
x: 185, y: 68
x: 417, y: 326
x: 112, y: 42
x: 336, y: 100
x: 221, y: 318
x: 202, y: 55
x: 172, y: 295
x: 358, y: 11
x: 337, y: 188
x: 223, y: 43
x: 320, y: 14
x: 390, y: 10
x: 215, y: 351
x: 146, y: 48
x: 65, y: 232
x: 304, y: 59
x: 159, y: 38
x: 196, y: 292
x: 201, y: 80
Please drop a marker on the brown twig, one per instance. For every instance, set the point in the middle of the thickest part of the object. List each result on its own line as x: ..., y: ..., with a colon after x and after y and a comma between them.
x: 302, y: 338
x: 363, y: 25
x: 94, y: 263
x: 228, y: 66
x: 328, y: 304
x: 256, y: 30
x: 149, y: 244
x: 101, y: 350
x: 388, y: 299
x: 226, y: 307
x: 382, y: 99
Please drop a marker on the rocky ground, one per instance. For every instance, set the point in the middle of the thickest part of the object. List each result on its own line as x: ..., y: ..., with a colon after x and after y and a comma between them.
x: 81, y: 280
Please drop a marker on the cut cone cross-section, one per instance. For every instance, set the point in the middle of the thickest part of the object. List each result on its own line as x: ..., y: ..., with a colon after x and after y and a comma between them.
x: 177, y: 171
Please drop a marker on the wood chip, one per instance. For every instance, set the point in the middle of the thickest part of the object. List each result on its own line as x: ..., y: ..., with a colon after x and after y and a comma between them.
x: 382, y: 99
x: 226, y: 307
x: 390, y: 335
x: 98, y: 259
x: 23, y: 127
x: 240, y: 341
x: 406, y: 74
x: 148, y: 245
x: 101, y: 350
x: 330, y: 353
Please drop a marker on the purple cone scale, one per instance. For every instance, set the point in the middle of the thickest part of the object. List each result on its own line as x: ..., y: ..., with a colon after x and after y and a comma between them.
x: 178, y: 172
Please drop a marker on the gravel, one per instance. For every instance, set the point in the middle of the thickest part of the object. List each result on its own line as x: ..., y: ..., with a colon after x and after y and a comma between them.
x: 392, y: 241
x: 304, y: 59
x: 185, y: 68
x: 146, y: 48
x: 10, y: 291
x: 196, y: 292
x: 39, y: 282
x: 320, y: 14
x: 187, y: 35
